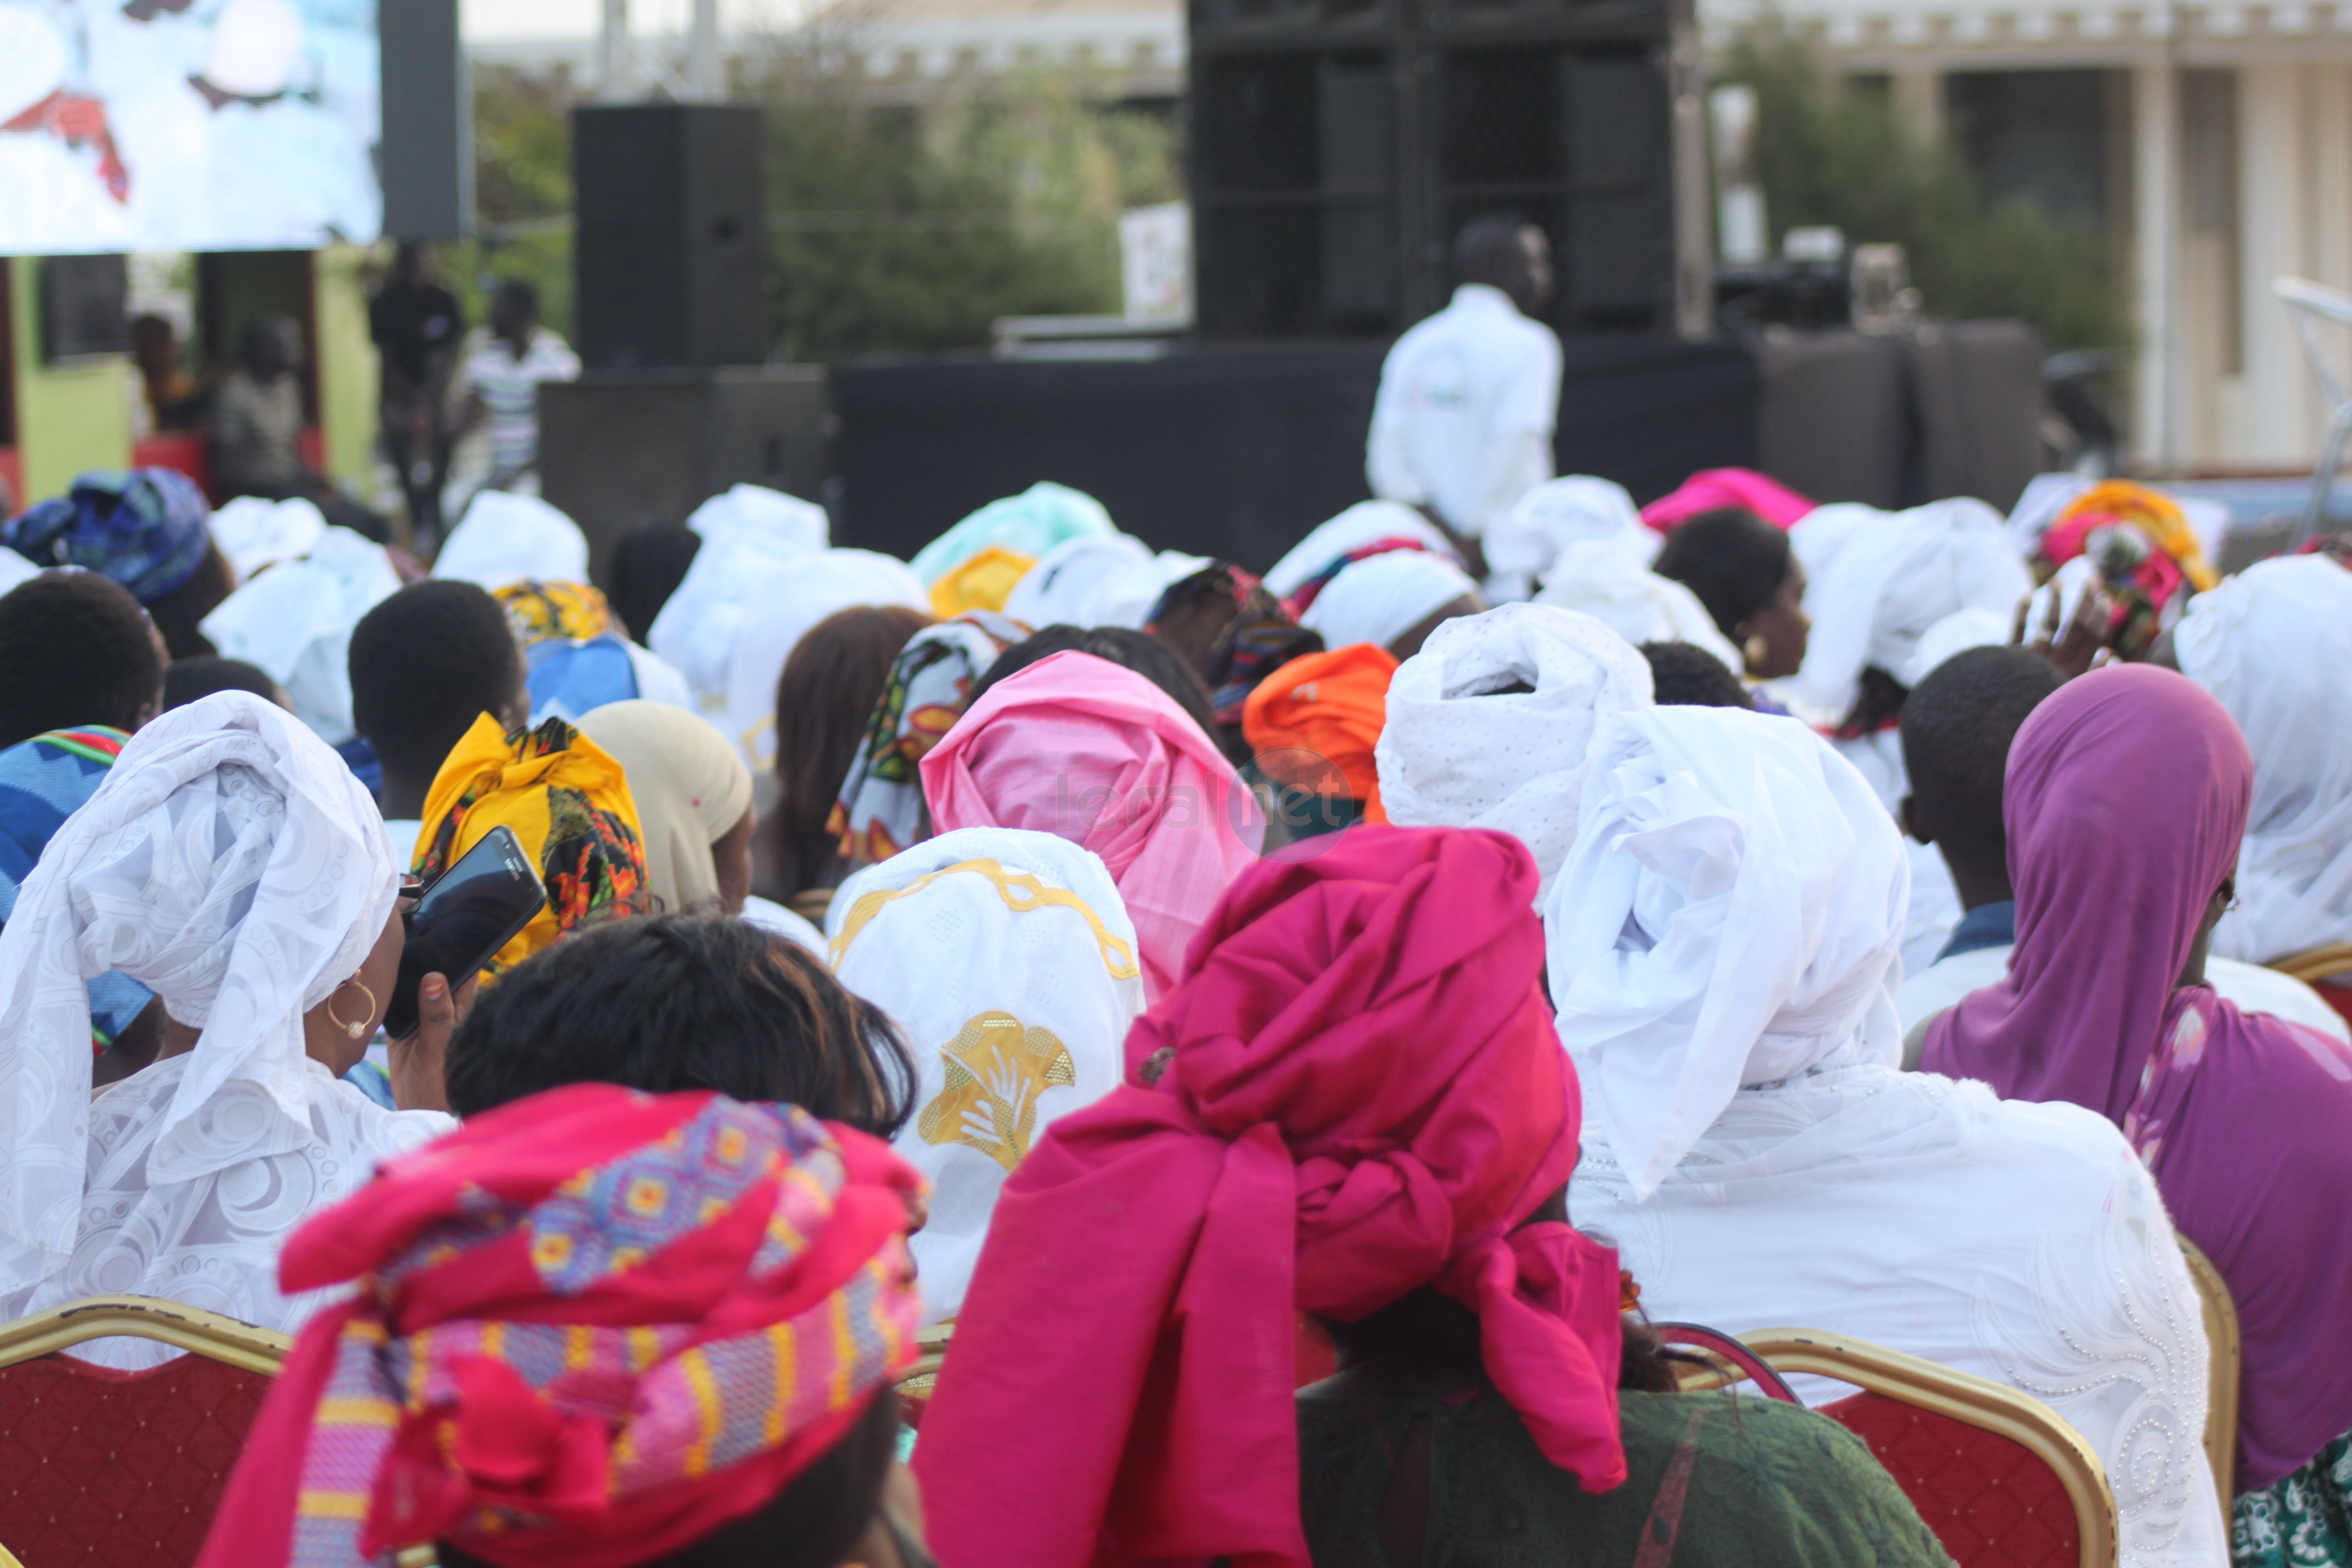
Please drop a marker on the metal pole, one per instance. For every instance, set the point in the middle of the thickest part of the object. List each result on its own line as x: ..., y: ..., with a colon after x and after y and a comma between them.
x: 706, y: 73
x: 613, y: 54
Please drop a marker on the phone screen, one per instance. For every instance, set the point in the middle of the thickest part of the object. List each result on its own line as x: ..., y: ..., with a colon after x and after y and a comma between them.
x: 470, y: 912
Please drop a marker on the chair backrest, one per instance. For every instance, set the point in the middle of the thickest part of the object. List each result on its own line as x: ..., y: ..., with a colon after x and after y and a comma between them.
x: 104, y: 1468
x: 2000, y: 1477
x: 2228, y: 1355
x: 2320, y: 964
x: 916, y: 1386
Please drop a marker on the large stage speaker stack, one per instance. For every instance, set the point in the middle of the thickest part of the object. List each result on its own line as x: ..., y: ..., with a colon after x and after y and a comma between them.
x: 1338, y: 146
x: 671, y: 300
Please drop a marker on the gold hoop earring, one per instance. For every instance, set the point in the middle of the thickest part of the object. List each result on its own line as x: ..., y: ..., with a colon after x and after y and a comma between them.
x: 1755, y: 651
x: 359, y: 1029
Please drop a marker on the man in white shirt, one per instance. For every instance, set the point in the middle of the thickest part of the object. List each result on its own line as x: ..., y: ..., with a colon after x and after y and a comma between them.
x: 1468, y: 398
x: 505, y: 363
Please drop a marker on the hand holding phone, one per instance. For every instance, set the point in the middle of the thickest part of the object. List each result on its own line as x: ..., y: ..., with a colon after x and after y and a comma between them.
x: 465, y: 915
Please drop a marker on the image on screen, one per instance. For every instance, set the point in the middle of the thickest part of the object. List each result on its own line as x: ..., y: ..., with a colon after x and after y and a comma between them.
x: 134, y: 126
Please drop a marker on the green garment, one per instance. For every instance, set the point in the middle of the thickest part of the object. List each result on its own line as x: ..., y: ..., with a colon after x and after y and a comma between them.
x: 1715, y: 1480
x: 2302, y: 1519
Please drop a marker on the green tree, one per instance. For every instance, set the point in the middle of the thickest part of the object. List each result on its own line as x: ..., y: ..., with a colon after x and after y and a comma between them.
x: 1829, y: 153
x: 522, y: 194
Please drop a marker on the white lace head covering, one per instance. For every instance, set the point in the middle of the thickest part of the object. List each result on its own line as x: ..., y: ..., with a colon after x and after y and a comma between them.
x: 1381, y: 598
x: 1732, y: 912
x: 1560, y: 513
x: 1456, y: 752
x: 1612, y: 585
x: 2274, y: 644
x: 783, y: 606
x: 295, y: 622
x: 1875, y: 585
x: 1360, y: 524
x: 1008, y: 961
x: 232, y: 865
x: 513, y: 539
x: 746, y: 532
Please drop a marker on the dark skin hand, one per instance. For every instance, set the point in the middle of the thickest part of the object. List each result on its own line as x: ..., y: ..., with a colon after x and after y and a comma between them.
x: 1784, y: 627
x: 2070, y: 651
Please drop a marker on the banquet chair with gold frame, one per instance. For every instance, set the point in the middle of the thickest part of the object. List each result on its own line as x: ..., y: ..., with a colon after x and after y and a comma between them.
x: 2331, y: 962
x: 106, y: 1469
x: 2220, y: 1312
x: 1999, y: 1477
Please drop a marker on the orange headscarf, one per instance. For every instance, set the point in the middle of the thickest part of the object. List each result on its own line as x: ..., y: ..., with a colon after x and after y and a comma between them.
x: 1331, y: 705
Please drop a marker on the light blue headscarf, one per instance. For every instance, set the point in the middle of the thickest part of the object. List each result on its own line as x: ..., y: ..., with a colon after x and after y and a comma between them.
x: 1030, y: 523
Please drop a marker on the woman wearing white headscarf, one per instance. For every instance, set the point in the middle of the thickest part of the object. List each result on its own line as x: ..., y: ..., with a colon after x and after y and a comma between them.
x: 746, y: 532
x: 294, y: 622
x: 232, y: 865
x: 1366, y: 522
x: 1722, y: 946
x: 508, y: 538
x: 1492, y: 723
x: 1009, y: 962
x: 784, y: 606
x: 2273, y: 645
x: 1395, y: 601
x: 1526, y: 542
x: 1611, y: 583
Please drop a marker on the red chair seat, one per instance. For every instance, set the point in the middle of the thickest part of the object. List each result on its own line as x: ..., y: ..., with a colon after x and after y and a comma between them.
x: 1992, y: 1501
x: 101, y: 1468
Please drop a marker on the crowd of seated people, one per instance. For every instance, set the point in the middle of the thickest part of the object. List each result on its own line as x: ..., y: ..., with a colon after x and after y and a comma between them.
x: 1058, y: 1053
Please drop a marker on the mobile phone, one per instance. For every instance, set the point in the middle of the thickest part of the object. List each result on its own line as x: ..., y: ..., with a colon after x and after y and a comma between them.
x: 465, y: 915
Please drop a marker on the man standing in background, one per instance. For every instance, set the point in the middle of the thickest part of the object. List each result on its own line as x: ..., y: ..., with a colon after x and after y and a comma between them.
x: 505, y: 363
x: 418, y: 330
x: 1468, y: 398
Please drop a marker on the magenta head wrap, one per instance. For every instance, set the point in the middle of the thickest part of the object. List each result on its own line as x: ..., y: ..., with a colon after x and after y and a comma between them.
x: 1091, y: 752
x: 2128, y: 794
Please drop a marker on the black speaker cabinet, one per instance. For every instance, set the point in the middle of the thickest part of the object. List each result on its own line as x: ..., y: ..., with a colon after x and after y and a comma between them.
x: 670, y: 250
x: 1339, y: 145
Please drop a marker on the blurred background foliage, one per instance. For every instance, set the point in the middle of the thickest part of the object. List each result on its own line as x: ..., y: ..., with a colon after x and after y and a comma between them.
x: 1833, y: 151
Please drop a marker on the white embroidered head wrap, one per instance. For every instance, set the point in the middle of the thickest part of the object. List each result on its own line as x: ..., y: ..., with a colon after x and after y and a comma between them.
x: 1458, y: 752
x: 2274, y: 644
x: 1008, y: 961
x: 1732, y: 913
x: 231, y: 864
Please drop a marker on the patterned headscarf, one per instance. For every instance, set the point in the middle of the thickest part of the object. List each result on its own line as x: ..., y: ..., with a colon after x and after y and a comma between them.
x: 43, y: 781
x: 542, y: 612
x: 2170, y: 560
x: 982, y: 582
x: 147, y: 528
x: 590, y: 1328
x: 566, y: 799
x: 881, y: 809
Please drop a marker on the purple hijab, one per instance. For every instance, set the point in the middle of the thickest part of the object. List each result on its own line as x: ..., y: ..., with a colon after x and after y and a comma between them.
x: 2126, y: 796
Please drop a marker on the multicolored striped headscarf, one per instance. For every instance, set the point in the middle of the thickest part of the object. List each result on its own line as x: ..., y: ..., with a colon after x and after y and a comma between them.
x: 147, y: 530
x: 881, y: 809
x: 590, y: 1327
x: 43, y: 781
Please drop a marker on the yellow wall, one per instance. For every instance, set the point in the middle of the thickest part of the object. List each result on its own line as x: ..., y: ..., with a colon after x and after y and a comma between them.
x: 346, y: 370
x: 69, y: 418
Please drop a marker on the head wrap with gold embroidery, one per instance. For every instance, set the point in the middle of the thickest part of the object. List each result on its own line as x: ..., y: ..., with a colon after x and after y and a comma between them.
x: 1007, y: 961
x: 590, y: 1327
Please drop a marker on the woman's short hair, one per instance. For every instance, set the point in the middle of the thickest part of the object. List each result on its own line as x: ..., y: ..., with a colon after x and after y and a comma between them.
x: 1732, y: 559
x: 683, y: 1002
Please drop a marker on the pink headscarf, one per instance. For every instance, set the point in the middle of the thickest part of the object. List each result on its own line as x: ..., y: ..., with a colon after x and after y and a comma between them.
x: 1361, y: 1095
x: 1089, y: 751
x: 2126, y: 796
x: 1711, y: 489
